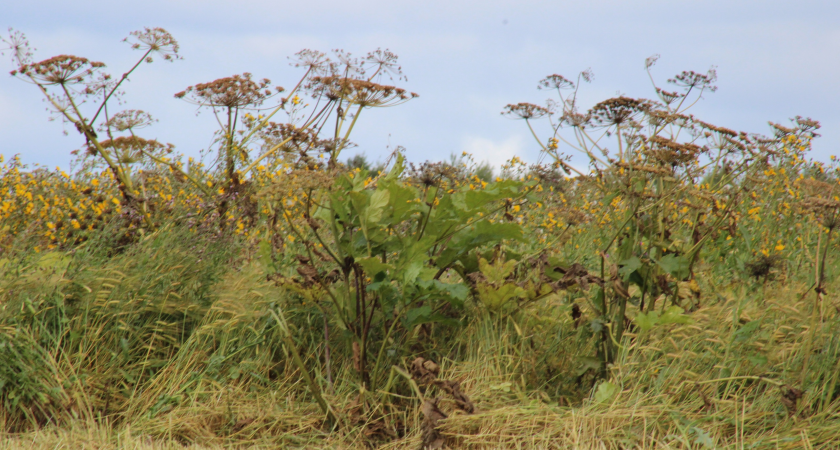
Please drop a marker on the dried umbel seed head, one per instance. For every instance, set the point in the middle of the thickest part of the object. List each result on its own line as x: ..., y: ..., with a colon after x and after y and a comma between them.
x: 297, y: 137
x: 617, y: 111
x: 555, y: 82
x: 130, y: 119
x: 347, y: 65
x: 61, y: 69
x: 238, y: 91
x: 550, y: 175
x: 360, y: 92
x: 155, y: 40
x: 130, y: 149
x: 668, y: 97
x: 780, y: 131
x: 818, y: 189
x: 432, y: 174
x: 667, y: 151
x: 575, y: 119
x: 316, y: 63
x: 329, y: 146
x: 385, y: 62
x: 19, y: 46
x: 692, y: 80
x: 807, y: 126
x: 659, y: 118
x: 525, y: 111
x: 716, y: 129
x: 762, y: 265
x: 821, y: 199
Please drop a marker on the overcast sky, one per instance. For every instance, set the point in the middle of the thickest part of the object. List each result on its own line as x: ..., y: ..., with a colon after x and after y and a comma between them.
x: 466, y: 59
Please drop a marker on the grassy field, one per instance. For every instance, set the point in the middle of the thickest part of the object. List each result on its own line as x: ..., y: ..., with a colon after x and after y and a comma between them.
x: 679, y: 293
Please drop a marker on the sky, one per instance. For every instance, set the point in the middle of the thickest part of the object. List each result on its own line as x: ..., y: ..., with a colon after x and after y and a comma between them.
x: 466, y: 60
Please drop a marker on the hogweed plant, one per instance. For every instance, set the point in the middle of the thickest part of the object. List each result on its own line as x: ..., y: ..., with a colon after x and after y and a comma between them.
x: 671, y: 180
x: 79, y: 92
x: 374, y: 255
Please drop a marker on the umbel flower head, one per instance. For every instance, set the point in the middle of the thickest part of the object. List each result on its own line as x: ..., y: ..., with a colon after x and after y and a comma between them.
x: 238, y: 91
x: 155, y: 40
x: 525, y: 111
x: 128, y: 120
x: 130, y: 149
x: 555, y: 82
x: 618, y: 110
x: 360, y: 92
x: 690, y: 79
x: 60, y: 70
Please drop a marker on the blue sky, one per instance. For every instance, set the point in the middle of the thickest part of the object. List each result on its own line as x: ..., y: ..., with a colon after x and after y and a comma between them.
x: 466, y: 59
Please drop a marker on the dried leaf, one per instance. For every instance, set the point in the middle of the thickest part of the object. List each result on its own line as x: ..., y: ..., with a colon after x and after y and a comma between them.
x: 453, y: 388
x: 431, y: 437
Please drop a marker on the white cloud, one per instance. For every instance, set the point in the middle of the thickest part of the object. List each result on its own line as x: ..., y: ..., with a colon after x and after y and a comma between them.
x: 495, y: 152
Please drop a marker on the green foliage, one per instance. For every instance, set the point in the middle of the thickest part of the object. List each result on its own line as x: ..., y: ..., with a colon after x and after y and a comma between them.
x: 379, y: 252
x: 671, y: 315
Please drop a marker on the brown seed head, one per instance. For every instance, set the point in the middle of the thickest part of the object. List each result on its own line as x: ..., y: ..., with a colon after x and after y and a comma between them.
x: 61, y: 69
x: 692, y: 80
x: 155, y: 40
x: 617, y: 111
x: 555, y: 82
x: 524, y: 111
x: 130, y: 119
x: 238, y: 91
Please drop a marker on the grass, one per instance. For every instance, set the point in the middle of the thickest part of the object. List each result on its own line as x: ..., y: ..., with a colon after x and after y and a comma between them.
x: 717, y: 382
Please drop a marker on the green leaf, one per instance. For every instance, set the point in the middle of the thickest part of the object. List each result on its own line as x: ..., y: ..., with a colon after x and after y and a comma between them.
x: 675, y: 265
x: 646, y: 321
x: 498, y: 271
x: 264, y: 254
x: 401, y: 200
x: 414, y: 315
x: 494, y: 298
x: 747, y: 331
x: 481, y: 233
x: 398, y: 168
x: 703, y: 438
x: 758, y: 360
x: 412, y: 272
x: 378, y: 202
x: 674, y: 314
x: 457, y: 291
x: 588, y: 363
x: 671, y: 315
x: 605, y: 392
x: 628, y: 266
x: 374, y: 265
